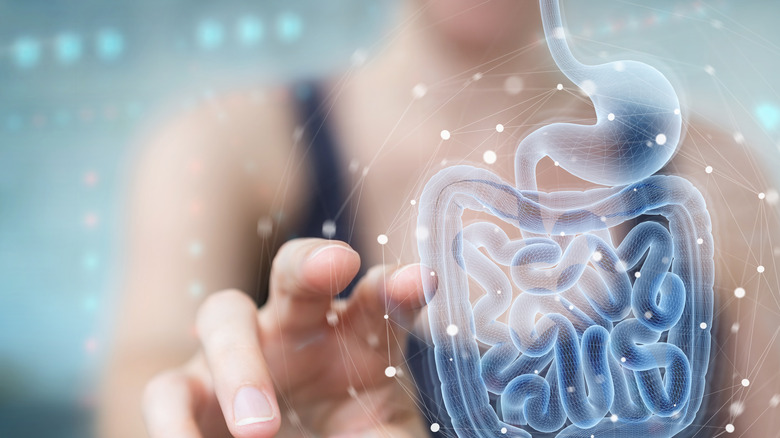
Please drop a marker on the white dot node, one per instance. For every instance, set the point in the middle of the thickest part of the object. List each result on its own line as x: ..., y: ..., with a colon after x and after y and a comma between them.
x: 677, y: 111
x: 452, y: 330
x: 557, y: 164
x: 774, y: 401
x: 735, y: 327
x: 745, y: 383
x: 196, y: 248
x: 660, y: 139
x: 613, y: 418
x: 710, y: 70
x: 513, y: 85
x: 570, y: 389
x: 708, y: 169
x: 648, y: 315
x: 760, y: 269
x: 637, y: 274
x: 536, y: 371
x: 387, y: 316
x: 503, y: 430
x: 359, y: 57
x: 571, y: 307
x: 596, y: 257
x: 381, y: 239
x: 433, y: 274
x: 730, y: 428
x: 373, y: 340
x: 739, y: 137
x: 499, y: 128
x: 588, y: 87
x: 563, y: 233
x: 739, y: 292
x: 559, y: 87
x: 419, y: 91
x: 603, y: 218
x: 761, y: 195
x: 435, y: 427
x: 559, y: 33
x: 699, y: 241
x: 413, y: 202
x: 703, y: 326
x: 328, y: 229
x: 772, y: 196
x: 737, y: 408
x: 477, y: 76
x: 611, y: 117
x: 332, y: 318
x: 265, y: 226
x: 623, y: 359
x: 390, y: 371
x: 489, y: 157
x: 498, y: 292
x: 445, y: 135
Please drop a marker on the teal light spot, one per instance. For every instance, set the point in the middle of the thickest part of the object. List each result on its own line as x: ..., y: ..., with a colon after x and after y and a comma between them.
x: 768, y: 115
x: 196, y: 289
x: 210, y: 34
x: 13, y: 123
x: 133, y: 109
x: 62, y: 117
x: 289, y: 27
x: 110, y: 44
x: 69, y: 48
x: 196, y: 248
x: 91, y: 261
x: 90, y: 304
x: 250, y: 31
x: 27, y: 52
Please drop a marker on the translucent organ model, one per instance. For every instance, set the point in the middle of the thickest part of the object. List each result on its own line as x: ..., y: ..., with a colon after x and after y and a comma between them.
x: 568, y: 332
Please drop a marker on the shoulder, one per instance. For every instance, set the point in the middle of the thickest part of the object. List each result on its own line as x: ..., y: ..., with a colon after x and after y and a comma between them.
x: 231, y: 147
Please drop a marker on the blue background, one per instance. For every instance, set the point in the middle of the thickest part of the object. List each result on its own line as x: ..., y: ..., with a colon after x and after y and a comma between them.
x: 81, y: 80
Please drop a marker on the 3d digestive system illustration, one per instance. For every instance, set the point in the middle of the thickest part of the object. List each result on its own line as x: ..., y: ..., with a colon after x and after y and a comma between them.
x: 571, y: 333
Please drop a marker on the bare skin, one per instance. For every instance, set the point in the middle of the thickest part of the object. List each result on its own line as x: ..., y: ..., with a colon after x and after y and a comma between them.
x: 205, y: 181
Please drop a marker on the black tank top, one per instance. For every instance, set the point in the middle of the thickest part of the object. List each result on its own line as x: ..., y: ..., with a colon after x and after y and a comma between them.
x: 329, y: 207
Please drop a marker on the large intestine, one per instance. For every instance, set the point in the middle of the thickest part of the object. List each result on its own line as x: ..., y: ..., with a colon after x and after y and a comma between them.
x: 571, y: 332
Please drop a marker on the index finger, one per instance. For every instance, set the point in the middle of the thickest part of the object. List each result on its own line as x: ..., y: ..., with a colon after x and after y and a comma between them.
x: 305, y: 276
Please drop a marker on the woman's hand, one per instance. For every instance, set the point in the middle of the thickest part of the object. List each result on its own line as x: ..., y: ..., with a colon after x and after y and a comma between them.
x: 304, y: 364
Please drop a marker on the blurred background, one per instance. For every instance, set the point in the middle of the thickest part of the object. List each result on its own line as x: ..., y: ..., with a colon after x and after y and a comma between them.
x: 82, y: 81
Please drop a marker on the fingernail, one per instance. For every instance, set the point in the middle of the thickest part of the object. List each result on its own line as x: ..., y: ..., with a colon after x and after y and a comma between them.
x: 251, y: 406
x: 325, y: 248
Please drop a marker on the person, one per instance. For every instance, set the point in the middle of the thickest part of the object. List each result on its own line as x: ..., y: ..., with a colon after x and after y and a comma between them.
x: 305, y: 364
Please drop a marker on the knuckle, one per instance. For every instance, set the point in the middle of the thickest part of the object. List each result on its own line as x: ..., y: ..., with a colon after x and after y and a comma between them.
x: 162, y: 386
x: 220, y: 305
